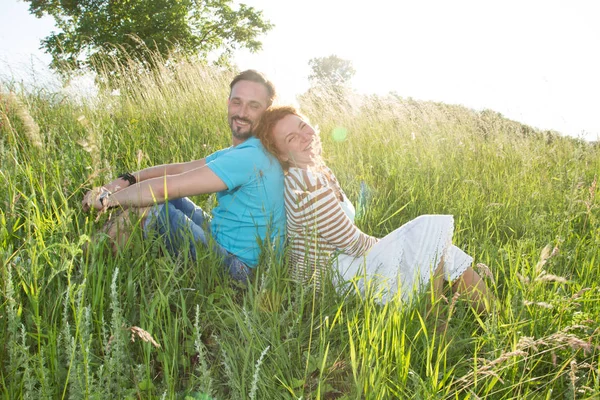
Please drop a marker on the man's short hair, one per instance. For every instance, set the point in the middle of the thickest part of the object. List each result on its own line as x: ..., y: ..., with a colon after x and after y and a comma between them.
x: 255, y: 76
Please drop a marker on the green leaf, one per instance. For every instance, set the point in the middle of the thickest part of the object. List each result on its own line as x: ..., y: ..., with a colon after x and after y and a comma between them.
x: 104, y: 35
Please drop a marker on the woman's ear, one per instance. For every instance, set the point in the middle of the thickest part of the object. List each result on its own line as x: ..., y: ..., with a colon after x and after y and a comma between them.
x: 284, y: 157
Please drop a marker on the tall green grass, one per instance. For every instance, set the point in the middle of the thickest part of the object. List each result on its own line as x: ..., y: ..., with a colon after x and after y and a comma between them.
x: 73, y: 323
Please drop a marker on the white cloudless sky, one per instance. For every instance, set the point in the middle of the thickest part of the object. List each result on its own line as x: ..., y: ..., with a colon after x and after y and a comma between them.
x: 20, y: 35
x: 533, y: 61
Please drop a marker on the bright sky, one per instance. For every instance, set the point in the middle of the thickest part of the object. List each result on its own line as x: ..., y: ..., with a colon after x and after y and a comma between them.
x: 535, y: 61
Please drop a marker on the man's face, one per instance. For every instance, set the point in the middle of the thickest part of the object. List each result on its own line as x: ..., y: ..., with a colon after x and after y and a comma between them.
x: 247, y: 102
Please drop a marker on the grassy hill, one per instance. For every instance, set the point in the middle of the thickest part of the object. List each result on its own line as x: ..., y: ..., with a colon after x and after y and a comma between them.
x: 525, y: 204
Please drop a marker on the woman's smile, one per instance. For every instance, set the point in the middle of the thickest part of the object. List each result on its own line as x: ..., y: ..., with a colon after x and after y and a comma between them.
x: 297, y: 142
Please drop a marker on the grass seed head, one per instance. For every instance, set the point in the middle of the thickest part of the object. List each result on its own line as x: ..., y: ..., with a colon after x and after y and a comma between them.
x: 551, y: 278
x: 30, y: 128
x: 524, y: 279
x: 538, y: 303
x: 142, y: 334
x: 544, y: 256
x: 485, y: 271
x: 573, y: 373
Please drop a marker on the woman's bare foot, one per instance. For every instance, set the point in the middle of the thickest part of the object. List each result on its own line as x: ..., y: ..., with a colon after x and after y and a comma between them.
x: 475, y: 290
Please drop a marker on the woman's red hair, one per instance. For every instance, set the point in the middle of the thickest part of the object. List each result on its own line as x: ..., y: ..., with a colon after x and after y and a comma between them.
x: 266, y: 126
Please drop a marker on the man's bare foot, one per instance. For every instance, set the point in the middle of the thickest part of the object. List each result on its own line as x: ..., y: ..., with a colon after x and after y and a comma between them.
x: 120, y: 226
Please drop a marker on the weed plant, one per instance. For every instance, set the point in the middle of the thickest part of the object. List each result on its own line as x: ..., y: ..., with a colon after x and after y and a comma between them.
x: 143, y: 324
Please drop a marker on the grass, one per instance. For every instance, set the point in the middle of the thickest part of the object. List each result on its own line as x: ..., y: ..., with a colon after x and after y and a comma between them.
x: 68, y: 318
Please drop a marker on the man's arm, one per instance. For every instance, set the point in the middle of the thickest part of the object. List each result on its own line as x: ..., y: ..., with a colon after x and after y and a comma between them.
x: 157, y: 190
x: 155, y: 172
x: 141, y: 176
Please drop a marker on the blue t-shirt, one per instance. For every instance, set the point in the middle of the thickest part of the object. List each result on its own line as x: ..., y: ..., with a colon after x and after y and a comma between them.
x: 251, y: 210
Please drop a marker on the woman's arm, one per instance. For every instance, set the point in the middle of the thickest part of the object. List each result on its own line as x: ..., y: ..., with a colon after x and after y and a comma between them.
x: 320, y: 208
x: 157, y: 190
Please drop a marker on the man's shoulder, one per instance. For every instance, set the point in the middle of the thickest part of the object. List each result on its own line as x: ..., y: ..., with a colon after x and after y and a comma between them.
x: 254, y: 150
x: 251, y: 147
x: 250, y: 143
x: 245, y: 159
x: 218, y: 154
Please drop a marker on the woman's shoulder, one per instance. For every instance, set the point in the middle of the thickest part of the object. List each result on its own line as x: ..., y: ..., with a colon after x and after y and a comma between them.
x: 306, y: 179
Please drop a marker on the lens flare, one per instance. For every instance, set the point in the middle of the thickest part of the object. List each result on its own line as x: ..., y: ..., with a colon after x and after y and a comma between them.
x: 339, y: 134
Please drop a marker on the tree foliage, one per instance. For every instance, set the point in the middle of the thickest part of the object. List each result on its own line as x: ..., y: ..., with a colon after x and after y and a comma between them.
x: 330, y: 71
x: 113, y: 31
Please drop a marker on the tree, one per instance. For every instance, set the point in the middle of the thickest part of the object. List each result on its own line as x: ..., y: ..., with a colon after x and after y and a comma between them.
x: 97, y: 31
x: 330, y: 89
x: 330, y: 71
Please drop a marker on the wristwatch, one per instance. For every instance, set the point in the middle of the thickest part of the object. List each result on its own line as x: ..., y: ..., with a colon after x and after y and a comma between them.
x: 129, y: 177
x: 103, y: 197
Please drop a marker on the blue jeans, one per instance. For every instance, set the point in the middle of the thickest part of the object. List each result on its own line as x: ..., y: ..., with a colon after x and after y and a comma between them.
x: 182, y: 223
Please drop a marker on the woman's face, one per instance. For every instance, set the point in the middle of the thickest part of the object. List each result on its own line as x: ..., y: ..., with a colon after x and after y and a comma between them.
x: 297, y: 142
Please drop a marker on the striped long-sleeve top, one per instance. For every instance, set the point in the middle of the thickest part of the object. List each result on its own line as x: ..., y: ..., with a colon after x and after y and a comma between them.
x: 317, y: 225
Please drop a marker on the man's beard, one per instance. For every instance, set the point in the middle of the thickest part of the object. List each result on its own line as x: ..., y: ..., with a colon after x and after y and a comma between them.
x: 239, y: 134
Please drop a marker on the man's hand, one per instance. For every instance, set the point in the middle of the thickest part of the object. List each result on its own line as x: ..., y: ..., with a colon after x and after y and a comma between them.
x: 92, y: 199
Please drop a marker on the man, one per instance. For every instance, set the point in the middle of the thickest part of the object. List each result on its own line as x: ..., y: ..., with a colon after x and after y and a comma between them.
x: 247, y: 180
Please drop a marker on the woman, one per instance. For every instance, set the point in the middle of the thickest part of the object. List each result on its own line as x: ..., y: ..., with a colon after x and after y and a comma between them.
x: 321, y: 231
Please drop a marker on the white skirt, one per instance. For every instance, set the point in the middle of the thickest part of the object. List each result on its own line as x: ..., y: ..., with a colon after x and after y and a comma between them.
x: 405, y: 259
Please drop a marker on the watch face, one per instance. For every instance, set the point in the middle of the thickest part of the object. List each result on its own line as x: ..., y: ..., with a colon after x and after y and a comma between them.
x: 103, y: 196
